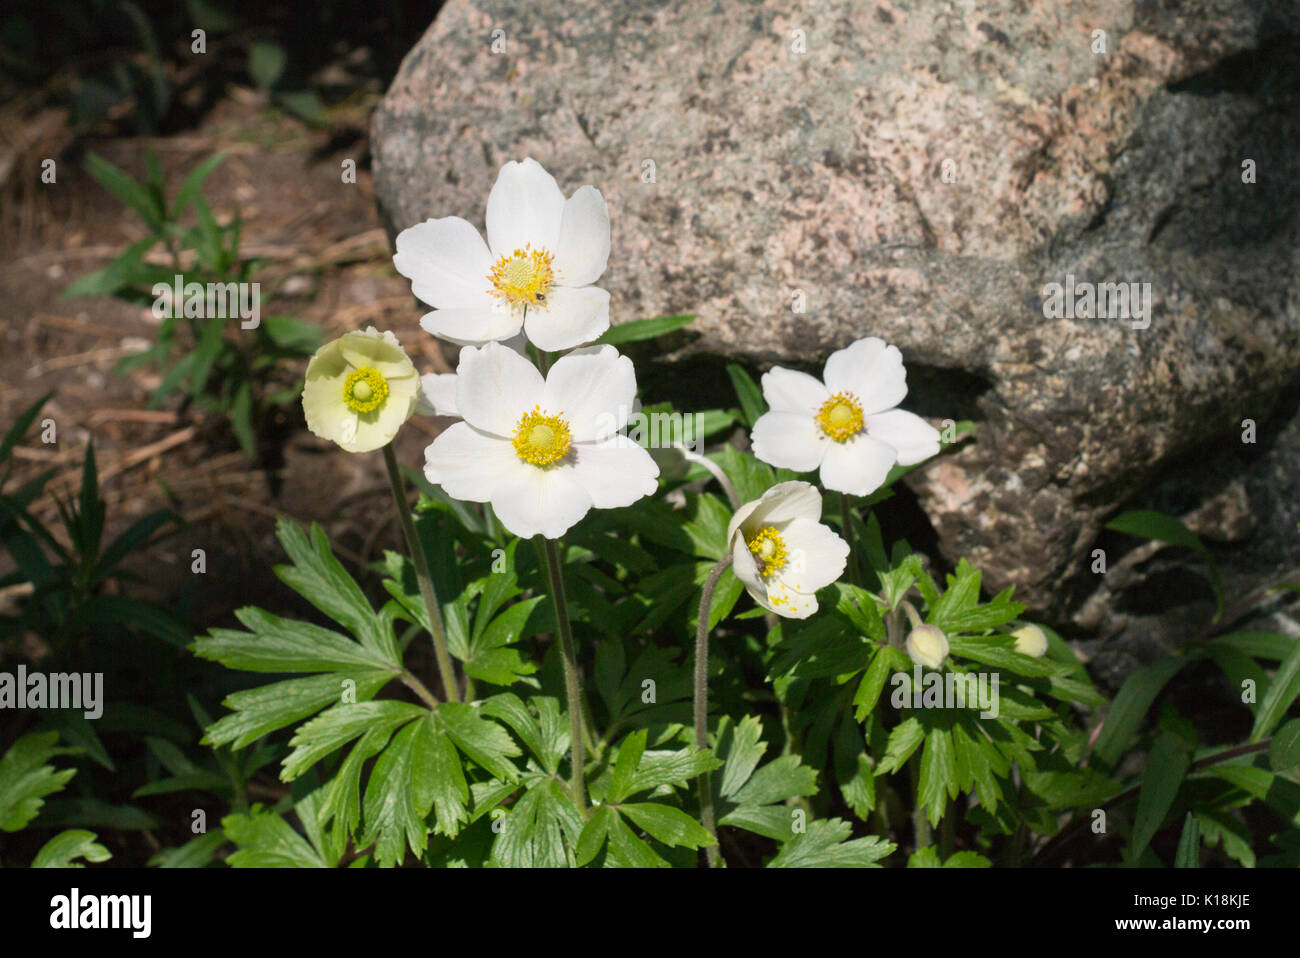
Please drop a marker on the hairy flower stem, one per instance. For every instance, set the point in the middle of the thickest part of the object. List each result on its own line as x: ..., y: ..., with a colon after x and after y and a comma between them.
x: 450, y: 686
x: 572, y: 683
x: 702, y: 701
x: 855, y: 572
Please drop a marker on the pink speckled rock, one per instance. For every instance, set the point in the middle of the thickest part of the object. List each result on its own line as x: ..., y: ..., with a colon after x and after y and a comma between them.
x: 916, y: 171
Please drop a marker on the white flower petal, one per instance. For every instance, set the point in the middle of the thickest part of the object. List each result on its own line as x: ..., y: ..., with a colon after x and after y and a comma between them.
x: 582, y: 250
x: 739, y: 520
x: 475, y: 325
x: 914, y: 438
x: 593, y: 389
x: 858, y: 466
x: 537, y: 501
x: 615, y: 473
x: 789, y: 441
x: 469, y: 464
x: 787, y: 390
x: 446, y: 261
x: 438, y: 395
x: 871, y: 371
x: 496, y: 386
x: 815, y: 555
x: 789, y: 603
x: 524, y: 208
x: 746, y: 569
x: 785, y: 502
x: 571, y: 317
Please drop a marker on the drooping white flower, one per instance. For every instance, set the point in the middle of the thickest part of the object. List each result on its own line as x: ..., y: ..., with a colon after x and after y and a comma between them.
x: 847, y: 425
x: 542, y: 451
x: 359, y: 390
x: 927, y: 645
x: 535, y: 272
x: 781, y: 551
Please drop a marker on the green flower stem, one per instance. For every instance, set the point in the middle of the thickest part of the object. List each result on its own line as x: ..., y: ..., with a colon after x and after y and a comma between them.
x: 855, y: 572
x: 920, y: 823
x: 702, y: 701
x: 572, y: 682
x: 450, y: 686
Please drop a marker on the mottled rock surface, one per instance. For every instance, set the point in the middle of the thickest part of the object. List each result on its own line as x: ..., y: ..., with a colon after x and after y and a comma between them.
x: 757, y: 154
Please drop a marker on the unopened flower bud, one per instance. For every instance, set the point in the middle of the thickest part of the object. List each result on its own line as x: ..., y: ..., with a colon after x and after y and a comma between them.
x: 1031, y: 640
x: 927, y: 645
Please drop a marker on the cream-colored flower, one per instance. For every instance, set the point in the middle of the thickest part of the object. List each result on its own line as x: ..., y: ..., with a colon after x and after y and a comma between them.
x: 847, y: 426
x: 360, y: 388
x: 1031, y: 641
x: 927, y: 645
x: 542, y: 451
x: 781, y: 551
x: 535, y: 272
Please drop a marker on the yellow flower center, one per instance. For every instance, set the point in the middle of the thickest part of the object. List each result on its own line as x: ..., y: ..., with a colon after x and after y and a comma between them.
x: 840, y: 417
x: 541, y: 439
x: 365, y: 389
x: 769, y: 550
x: 523, y: 278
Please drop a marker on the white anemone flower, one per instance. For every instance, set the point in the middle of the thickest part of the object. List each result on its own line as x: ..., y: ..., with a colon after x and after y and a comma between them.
x: 438, y: 390
x: 781, y: 551
x: 846, y: 425
x: 359, y: 390
x: 542, y: 451
x: 534, y: 273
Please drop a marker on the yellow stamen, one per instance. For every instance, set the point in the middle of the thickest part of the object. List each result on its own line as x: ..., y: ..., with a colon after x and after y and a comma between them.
x: 840, y: 417
x: 523, y: 278
x: 541, y: 439
x: 365, y: 389
x: 768, y: 549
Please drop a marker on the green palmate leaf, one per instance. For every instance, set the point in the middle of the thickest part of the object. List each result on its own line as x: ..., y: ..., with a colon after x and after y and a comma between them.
x: 545, y: 734
x: 63, y: 850
x: 625, y: 766
x: 895, y: 583
x: 823, y: 845
x: 677, y: 769
x: 489, y: 659
x: 628, y: 850
x: 1222, y: 827
x: 750, y: 476
x: 904, y: 739
x: 320, y: 579
x: 747, y: 391
x: 273, y: 644
x: 707, y: 526
x: 994, y: 650
x: 337, y: 726
x: 1189, y: 844
x: 740, y: 748
x: 885, y: 662
x: 938, y: 774
x: 640, y: 329
x: 342, y: 800
x: 25, y: 779
x: 541, y: 830
x: 1284, y: 749
x: 401, y: 790
x: 666, y: 824
x: 255, y: 712
x: 265, y: 840
x: 1282, y: 691
x: 1166, y: 765
x: 484, y: 741
x: 1135, y: 697
x: 592, y: 838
